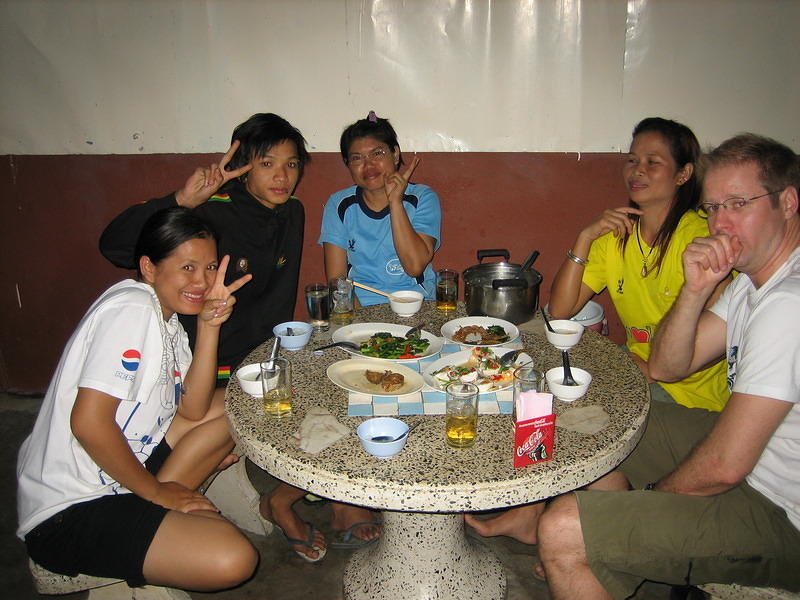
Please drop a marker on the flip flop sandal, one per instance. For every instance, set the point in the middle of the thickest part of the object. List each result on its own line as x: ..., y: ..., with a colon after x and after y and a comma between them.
x: 307, y: 543
x: 538, y: 571
x: 350, y: 541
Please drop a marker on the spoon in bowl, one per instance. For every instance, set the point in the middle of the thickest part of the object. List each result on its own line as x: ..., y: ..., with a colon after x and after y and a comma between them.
x: 385, y: 439
x: 568, y: 379
x: 546, y: 322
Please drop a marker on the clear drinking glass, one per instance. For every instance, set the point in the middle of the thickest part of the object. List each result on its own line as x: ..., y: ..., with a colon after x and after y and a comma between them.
x: 446, y: 290
x: 318, y: 304
x: 276, y: 386
x: 341, y: 298
x: 461, y: 427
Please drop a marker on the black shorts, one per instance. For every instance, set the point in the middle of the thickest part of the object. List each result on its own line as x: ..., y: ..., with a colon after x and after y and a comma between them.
x: 105, y: 537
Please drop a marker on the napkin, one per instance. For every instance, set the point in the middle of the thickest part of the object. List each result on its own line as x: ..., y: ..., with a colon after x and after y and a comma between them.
x: 318, y: 430
x: 532, y: 405
x: 587, y: 419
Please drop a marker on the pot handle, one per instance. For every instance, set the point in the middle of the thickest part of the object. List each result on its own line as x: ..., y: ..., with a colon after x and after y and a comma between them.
x: 518, y: 283
x: 494, y: 252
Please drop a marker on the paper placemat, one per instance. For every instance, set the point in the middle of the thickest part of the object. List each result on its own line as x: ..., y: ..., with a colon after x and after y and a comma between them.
x: 428, y: 401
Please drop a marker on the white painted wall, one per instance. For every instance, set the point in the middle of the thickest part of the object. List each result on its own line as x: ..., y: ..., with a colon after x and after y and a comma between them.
x: 175, y: 76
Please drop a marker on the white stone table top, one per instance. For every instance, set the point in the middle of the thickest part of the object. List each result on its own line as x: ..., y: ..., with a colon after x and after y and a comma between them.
x: 429, y: 476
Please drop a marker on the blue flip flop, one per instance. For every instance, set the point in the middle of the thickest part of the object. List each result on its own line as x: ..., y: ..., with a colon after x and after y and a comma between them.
x: 306, y: 543
x: 350, y: 541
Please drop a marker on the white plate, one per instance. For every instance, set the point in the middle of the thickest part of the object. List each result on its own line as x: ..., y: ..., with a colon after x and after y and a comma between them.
x: 459, y: 358
x: 361, y: 332
x: 350, y: 375
x: 449, y: 329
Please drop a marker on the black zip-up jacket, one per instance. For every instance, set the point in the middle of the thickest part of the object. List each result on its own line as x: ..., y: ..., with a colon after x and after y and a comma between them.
x: 264, y: 242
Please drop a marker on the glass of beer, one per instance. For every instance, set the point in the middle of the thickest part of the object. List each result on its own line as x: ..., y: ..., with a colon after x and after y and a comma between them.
x: 446, y: 290
x: 461, y: 427
x: 276, y: 386
x: 341, y: 298
x: 318, y: 305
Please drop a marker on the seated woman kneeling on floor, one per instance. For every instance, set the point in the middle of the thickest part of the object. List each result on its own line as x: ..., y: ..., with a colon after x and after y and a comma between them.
x: 128, y: 429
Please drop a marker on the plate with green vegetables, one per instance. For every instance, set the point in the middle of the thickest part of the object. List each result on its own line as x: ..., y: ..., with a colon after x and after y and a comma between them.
x: 387, y: 341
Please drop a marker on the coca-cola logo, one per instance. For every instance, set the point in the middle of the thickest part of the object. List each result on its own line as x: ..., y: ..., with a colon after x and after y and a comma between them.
x: 531, y: 443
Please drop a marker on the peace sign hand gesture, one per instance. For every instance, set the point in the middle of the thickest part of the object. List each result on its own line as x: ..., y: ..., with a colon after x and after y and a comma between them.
x: 219, y: 298
x: 395, y: 184
x: 207, y: 180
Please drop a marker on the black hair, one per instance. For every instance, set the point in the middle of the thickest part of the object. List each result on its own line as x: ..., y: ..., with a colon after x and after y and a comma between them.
x: 372, y: 126
x: 167, y: 229
x: 684, y: 149
x: 261, y: 132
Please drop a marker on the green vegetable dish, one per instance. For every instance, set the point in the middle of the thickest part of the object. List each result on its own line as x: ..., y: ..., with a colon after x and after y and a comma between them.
x: 385, y: 345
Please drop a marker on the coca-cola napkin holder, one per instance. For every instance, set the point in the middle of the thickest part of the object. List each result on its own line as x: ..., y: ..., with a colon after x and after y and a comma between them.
x: 535, y: 428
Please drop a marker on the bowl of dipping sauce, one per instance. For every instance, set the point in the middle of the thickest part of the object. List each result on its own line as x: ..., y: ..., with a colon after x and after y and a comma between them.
x: 568, y: 393
x: 293, y: 334
x: 405, y: 303
x: 567, y: 333
x: 374, y: 434
x: 249, y: 377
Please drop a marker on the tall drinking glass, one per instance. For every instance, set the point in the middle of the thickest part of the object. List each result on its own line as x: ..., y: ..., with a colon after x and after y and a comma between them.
x: 318, y: 306
x: 276, y: 386
x: 446, y: 290
x: 461, y: 427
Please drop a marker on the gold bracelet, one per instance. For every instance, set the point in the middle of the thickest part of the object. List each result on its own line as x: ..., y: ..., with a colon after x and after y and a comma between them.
x: 576, y: 259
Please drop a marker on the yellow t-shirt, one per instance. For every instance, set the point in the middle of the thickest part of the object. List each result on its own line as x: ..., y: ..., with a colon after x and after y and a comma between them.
x: 641, y: 302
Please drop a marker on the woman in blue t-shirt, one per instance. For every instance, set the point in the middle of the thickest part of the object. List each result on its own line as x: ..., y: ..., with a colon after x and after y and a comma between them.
x: 382, y: 231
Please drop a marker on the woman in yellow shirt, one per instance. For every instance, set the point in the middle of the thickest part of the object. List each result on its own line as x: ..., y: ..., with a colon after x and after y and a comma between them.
x: 635, y: 252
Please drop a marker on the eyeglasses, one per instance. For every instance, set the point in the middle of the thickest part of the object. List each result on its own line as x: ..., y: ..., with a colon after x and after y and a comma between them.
x: 733, y: 205
x: 360, y: 159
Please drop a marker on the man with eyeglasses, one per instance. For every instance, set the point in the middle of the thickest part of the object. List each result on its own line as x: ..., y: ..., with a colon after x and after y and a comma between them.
x: 716, y: 495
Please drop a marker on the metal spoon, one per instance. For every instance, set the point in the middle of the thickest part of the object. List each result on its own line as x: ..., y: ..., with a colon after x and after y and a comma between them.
x: 344, y: 344
x: 509, y: 357
x: 415, y: 331
x: 385, y: 439
x: 271, y: 361
x: 568, y: 379
x: 546, y: 322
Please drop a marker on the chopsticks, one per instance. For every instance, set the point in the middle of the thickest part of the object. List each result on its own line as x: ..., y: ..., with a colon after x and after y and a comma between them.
x: 369, y: 289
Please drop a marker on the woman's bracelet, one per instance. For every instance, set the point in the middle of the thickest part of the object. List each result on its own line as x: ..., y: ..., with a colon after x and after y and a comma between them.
x: 576, y: 259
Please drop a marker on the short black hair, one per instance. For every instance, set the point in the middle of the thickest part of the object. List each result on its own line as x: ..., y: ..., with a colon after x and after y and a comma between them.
x: 261, y: 132
x: 167, y: 229
x: 372, y: 126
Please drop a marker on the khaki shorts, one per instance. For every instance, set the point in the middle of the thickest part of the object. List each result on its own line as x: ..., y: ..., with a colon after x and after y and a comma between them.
x: 738, y: 536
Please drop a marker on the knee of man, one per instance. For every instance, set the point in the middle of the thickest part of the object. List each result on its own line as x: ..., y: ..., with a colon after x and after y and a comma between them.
x: 559, y: 523
x: 237, y: 563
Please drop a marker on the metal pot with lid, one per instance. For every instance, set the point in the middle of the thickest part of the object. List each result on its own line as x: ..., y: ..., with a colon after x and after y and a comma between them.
x: 502, y: 289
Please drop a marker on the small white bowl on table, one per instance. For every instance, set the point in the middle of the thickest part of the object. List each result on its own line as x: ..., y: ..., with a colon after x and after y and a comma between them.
x: 405, y: 303
x: 249, y: 377
x: 301, y: 333
x: 567, y: 333
x: 568, y: 393
x: 380, y: 426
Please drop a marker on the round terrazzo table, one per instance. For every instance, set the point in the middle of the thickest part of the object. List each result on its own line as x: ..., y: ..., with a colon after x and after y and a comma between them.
x: 423, y: 551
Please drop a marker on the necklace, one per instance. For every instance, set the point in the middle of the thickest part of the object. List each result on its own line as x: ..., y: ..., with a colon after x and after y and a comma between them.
x: 645, y: 259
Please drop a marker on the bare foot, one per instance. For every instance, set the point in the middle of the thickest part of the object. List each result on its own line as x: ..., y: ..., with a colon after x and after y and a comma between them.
x: 518, y: 523
x: 277, y: 508
x: 347, y: 515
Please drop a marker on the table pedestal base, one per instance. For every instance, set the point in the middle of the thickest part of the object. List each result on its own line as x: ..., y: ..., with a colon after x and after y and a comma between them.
x: 424, y: 556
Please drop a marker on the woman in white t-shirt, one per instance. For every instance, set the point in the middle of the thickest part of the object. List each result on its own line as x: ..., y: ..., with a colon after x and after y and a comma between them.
x: 128, y: 429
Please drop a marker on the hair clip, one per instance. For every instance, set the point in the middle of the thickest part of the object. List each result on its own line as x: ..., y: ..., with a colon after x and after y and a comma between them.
x: 372, y: 117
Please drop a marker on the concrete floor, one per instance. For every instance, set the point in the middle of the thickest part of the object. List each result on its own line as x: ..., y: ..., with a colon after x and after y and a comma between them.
x: 281, y: 574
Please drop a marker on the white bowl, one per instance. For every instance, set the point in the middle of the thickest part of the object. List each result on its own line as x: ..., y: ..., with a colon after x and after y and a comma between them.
x: 567, y: 333
x: 382, y: 426
x: 301, y: 333
x: 405, y: 302
x: 568, y: 393
x: 248, y: 377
